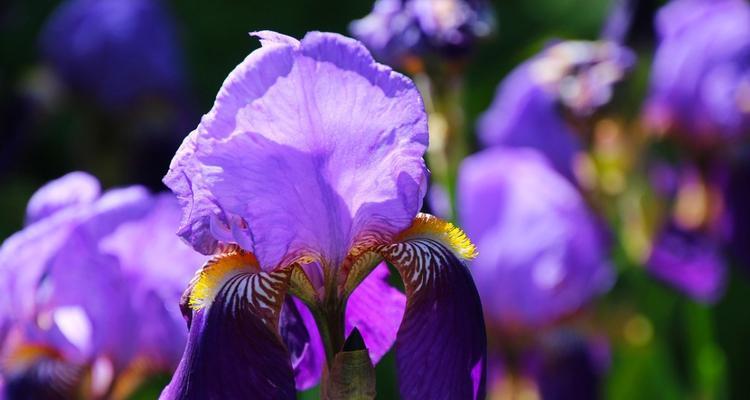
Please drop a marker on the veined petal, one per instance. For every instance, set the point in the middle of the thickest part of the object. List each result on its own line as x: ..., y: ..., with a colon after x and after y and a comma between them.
x: 234, y: 349
x: 322, y: 139
x: 441, y: 346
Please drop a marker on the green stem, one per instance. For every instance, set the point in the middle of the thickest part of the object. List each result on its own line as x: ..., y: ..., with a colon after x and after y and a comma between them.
x: 443, y: 94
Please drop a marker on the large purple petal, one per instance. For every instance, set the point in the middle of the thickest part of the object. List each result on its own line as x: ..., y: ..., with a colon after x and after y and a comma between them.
x: 234, y: 349
x: 321, y: 137
x: 441, y: 346
x: 542, y: 253
x: 376, y: 309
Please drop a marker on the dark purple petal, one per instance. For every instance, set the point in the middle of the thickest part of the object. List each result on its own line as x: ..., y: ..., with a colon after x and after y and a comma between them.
x: 568, y: 368
x: 690, y: 261
x: 43, y: 375
x: 441, y: 346
x: 321, y: 138
x: 234, y: 349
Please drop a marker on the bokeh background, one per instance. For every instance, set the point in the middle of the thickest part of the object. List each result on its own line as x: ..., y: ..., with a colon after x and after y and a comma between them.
x: 662, y: 344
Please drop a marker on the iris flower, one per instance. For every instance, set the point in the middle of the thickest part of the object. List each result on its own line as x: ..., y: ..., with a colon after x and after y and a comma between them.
x: 527, y: 112
x: 90, y: 288
x: 545, y: 252
x: 305, y: 176
x: 396, y: 29
x: 544, y: 258
x: 115, y: 51
x: 700, y: 80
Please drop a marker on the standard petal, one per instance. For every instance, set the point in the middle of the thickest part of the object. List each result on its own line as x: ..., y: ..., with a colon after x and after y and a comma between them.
x: 234, y: 349
x: 322, y: 138
x: 73, y: 189
x: 441, y: 346
x: 376, y: 309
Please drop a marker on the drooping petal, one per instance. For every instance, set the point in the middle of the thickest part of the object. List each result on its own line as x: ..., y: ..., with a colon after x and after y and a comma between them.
x: 38, y: 372
x: 376, y: 309
x: 322, y: 138
x: 234, y: 349
x: 543, y: 254
x: 689, y: 260
x: 441, y: 346
x: 75, y: 188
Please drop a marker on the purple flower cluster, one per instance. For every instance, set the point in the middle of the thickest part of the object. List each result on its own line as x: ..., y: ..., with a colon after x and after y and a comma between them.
x: 397, y: 29
x: 91, y: 284
x: 576, y: 76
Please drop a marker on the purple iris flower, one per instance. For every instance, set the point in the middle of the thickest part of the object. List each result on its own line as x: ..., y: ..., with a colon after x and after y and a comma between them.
x: 92, y: 283
x: 543, y: 254
x: 307, y: 175
x: 116, y: 51
x: 700, y: 80
x: 576, y: 77
x: 690, y: 260
x: 688, y: 251
x: 396, y: 29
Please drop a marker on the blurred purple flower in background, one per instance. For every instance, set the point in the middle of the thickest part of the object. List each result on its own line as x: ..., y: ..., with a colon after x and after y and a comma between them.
x: 542, y: 253
x: 305, y: 176
x: 530, y: 106
x: 116, y: 51
x: 543, y: 256
x: 397, y: 29
x: 92, y: 284
x: 700, y: 79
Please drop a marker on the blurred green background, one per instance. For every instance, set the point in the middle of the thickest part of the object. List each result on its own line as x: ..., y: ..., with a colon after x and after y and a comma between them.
x: 668, y: 348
